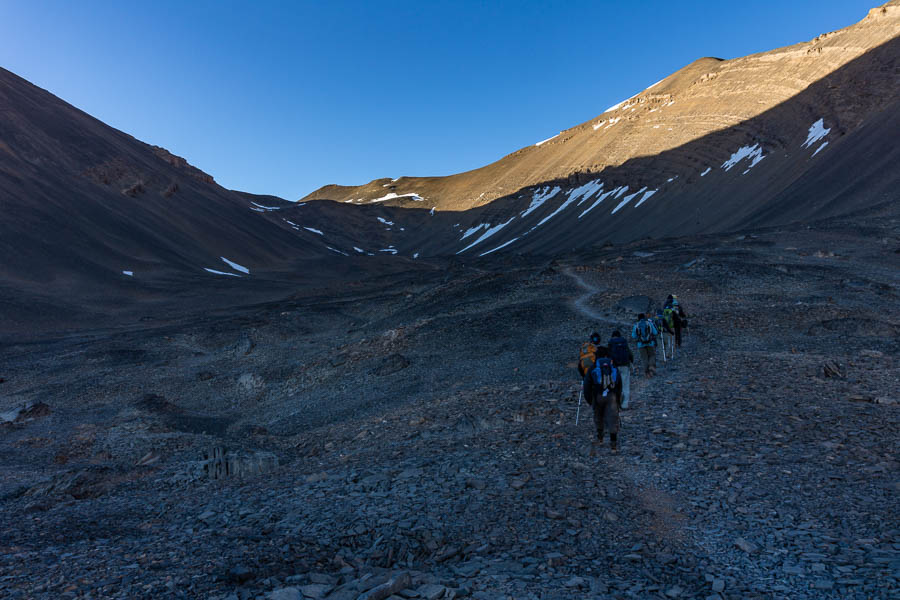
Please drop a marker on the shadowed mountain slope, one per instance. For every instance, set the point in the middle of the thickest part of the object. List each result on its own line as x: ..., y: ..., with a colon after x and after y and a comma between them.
x: 79, y: 196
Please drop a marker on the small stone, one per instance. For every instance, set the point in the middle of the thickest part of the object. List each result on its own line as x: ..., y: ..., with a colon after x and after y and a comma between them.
x: 431, y: 591
x: 746, y: 546
x: 206, y: 515
x: 674, y: 591
x: 316, y: 590
x: 288, y: 593
x: 718, y: 585
x: 575, y: 582
x: 823, y: 584
x: 240, y: 573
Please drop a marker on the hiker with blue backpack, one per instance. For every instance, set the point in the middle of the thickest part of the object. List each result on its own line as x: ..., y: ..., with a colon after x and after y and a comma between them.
x: 622, y: 359
x: 645, y: 332
x: 602, y: 390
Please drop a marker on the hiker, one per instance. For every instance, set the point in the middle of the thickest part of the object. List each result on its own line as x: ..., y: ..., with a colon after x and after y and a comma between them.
x: 645, y: 332
x: 602, y: 388
x: 622, y: 359
x: 679, y: 318
x: 666, y: 327
x: 588, y: 354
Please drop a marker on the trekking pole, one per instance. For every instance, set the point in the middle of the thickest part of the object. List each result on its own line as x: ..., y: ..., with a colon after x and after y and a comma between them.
x: 663, y: 336
x: 578, y: 410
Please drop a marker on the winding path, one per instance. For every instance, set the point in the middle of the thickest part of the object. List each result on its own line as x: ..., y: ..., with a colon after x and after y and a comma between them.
x: 581, y: 302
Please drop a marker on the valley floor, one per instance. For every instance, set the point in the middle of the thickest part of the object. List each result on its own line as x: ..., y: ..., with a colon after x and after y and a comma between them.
x: 426, y: 427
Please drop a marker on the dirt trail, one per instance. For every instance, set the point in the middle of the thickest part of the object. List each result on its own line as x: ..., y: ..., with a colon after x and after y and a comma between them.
x: 581, y: 302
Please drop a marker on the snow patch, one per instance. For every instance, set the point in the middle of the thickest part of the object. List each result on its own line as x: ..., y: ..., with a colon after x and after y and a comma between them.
x: 503, y: 245
x: 599, y: 200
x: 394, y: 195
x: 754, y: 153
x: 265, y: 207
x: 432, y: 210
x: 220, y: 272
x: 708, y: 169
x: 336, y: 250
x: 391, y: 250
x: 235, y: 266
x: 360, y: 250
x: 548, y: 139
x: 256, y: 209
x: 816, y: 132
x: 313, y: 230
x: 416, y: 255
x: 627, y: 199
x: 475, y: 229
x: 585, y: 191
x: 825, y: 143
x: 644, y: 199
x: 129, y: 273
x: 385, y: 221
x: 488, y: 234
x: 540, y: 196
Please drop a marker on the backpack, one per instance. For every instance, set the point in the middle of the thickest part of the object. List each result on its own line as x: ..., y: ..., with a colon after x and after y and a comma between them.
x: 645, y: 332
x: 586, y: 357
x: 604, y: 374
x: 669, y: 316
x: 618, y: 351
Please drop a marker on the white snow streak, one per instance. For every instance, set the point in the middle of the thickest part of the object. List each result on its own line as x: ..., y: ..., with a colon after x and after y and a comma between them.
x: 820, y: 148
x: 540, y: 196
x: 360, y: 250
x: 313, y: 230
x: 487, y: 234
x: 416, y: 255
x: 816, y: 132
x: 708, y: 169
x: 503, y: 245
x: 752, y: 152
x: 129, y: 273
x: 265, y: 207
x: 475, y: 229
x: 599, y: 200
x: 627, y: 199
x: 646, y: 195
x: 221, y: 273
x: 548, y: 139
x: 385, y: 221
x: 235, y: 266
x: 586, y: 190
x: 432, y: 210
x: 393, y: 196
x: 391, y: 250
x: 336, y: 250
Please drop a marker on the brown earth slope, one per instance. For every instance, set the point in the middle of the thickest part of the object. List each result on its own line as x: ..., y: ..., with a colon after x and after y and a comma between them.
x: 707, y: 96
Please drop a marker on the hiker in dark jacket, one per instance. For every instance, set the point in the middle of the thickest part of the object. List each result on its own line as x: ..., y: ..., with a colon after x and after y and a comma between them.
x: 645, y: 332
x: 605, y: 402
x: 678, y: 316
x: 622, y: 358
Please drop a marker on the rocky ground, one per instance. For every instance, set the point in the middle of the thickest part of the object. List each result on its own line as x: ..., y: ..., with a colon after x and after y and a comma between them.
x: 415, y: 436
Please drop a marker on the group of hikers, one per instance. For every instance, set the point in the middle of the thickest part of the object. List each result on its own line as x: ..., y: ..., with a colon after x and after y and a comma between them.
x: 606, y: 370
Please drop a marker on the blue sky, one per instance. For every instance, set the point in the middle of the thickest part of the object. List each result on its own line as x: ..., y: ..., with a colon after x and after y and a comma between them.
x: 284, y: 97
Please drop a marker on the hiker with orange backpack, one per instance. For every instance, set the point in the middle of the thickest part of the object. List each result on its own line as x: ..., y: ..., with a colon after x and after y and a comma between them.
x: 588, y: 354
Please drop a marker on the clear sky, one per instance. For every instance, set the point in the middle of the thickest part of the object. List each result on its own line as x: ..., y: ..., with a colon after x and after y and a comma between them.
x: 284, y: 97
